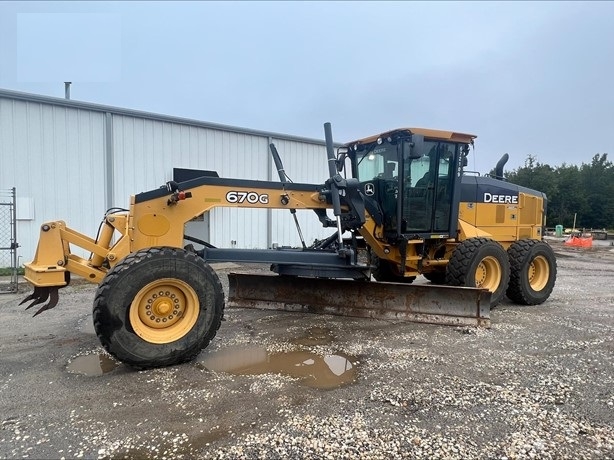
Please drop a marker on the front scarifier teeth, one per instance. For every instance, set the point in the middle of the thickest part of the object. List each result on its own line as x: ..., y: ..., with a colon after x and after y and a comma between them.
x: 53, y: 301
x: 40, y: 295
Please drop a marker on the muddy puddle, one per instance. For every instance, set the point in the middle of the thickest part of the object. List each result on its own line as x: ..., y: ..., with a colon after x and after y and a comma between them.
x: 316, y: 371
x: 92, y: 365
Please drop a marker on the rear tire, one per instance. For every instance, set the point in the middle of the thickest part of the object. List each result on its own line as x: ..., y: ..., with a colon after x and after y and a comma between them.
x: 158, y: 307
x: 383, y: 270
x: 481, y: 263
x: 533, y: 272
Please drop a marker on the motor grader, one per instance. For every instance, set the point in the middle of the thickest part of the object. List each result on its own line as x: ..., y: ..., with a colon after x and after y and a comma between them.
x: 402, y: 206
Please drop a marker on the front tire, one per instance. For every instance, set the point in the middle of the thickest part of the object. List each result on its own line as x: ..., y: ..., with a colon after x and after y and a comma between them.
x: 533, y: 272
x: 481, y: 263
x: 158, y: 307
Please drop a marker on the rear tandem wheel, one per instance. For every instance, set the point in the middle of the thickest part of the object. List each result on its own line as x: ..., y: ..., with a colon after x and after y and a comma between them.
x: 482, y: 263
x: 533, y: 272
x: 158, y: 307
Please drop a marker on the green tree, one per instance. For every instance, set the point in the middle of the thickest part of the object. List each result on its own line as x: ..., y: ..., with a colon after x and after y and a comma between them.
x: 570, y: 198
x: 536, y: 176
x: 598, y: 182
x: 586, y: 191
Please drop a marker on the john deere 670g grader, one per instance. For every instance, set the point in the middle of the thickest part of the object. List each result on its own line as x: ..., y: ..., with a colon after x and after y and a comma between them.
x: 400, y: 199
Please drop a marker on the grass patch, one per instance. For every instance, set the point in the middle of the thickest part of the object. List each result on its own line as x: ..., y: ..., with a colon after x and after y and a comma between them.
x: 8, y: 271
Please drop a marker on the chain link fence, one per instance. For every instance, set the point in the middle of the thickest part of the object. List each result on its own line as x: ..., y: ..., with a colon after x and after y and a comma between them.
x: 8, y: 242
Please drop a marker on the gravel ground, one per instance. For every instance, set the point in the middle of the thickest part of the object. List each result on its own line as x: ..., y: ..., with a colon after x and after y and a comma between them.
x: 538, y: 385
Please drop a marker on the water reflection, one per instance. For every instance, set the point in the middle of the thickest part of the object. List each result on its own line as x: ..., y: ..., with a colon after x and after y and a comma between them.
x: 325, y: 372
x: 92, y: 365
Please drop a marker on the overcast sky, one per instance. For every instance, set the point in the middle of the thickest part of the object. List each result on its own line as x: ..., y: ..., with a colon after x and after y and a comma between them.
x: 525, y: 77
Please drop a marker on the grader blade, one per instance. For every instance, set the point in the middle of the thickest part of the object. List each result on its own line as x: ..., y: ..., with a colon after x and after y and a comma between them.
x: 454, y: 306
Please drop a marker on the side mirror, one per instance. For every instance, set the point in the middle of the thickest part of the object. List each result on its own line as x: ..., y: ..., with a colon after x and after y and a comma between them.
x: 464, y: 154
x: 342, y: 153
x: 415, y: 148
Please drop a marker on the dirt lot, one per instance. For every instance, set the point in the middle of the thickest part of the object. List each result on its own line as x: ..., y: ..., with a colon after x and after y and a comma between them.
x: 538, y: 384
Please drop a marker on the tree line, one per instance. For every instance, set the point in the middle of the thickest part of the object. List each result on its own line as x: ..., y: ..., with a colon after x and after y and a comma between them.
x: 586, y: 190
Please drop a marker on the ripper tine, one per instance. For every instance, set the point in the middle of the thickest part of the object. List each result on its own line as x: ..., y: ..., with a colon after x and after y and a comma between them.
x: 40, y: 296
x: 35, y: 295
x: 30, y: 297
x: 36, y: 302
x: 53, y: 301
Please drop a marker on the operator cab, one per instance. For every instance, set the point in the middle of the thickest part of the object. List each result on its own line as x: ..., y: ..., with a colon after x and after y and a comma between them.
x: 411, y: 178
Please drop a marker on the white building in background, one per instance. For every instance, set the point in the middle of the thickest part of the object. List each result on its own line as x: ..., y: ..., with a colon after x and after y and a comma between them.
x: 71, y: 161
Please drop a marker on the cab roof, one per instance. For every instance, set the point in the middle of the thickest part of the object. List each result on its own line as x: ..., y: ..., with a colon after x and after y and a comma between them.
x: 427, y: 133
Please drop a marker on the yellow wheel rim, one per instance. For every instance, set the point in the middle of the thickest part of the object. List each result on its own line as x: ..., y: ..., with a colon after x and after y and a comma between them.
x: 538, y: 273
x: 164, y: 310
x: 488, y: 274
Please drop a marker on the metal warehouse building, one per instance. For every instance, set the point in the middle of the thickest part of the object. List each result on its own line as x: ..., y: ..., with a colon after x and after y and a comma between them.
x: 71, y: 161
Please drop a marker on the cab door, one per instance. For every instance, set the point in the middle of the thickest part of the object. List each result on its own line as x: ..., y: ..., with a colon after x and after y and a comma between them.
x: 428, y: 190
x: 378, y: 170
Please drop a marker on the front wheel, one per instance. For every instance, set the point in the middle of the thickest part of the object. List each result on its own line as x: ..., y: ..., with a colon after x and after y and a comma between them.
x: 481, y: 263
x: 533, y: 272
x: 158, y: 307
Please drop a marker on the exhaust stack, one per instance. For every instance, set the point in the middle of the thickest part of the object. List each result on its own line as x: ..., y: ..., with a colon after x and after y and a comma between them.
x: 499, y: 167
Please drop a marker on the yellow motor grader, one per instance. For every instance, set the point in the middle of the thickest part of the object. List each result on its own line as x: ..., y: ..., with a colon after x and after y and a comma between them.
x: 402, y: 207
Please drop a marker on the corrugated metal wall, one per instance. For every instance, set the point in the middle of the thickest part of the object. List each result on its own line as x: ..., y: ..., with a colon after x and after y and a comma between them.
x: 54, y: 157
x: 302, y: 163
x: 71, y: 160
x: 146, y: 151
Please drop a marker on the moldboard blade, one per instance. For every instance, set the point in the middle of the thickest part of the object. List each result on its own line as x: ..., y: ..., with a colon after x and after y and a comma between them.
x: 454, y: 306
